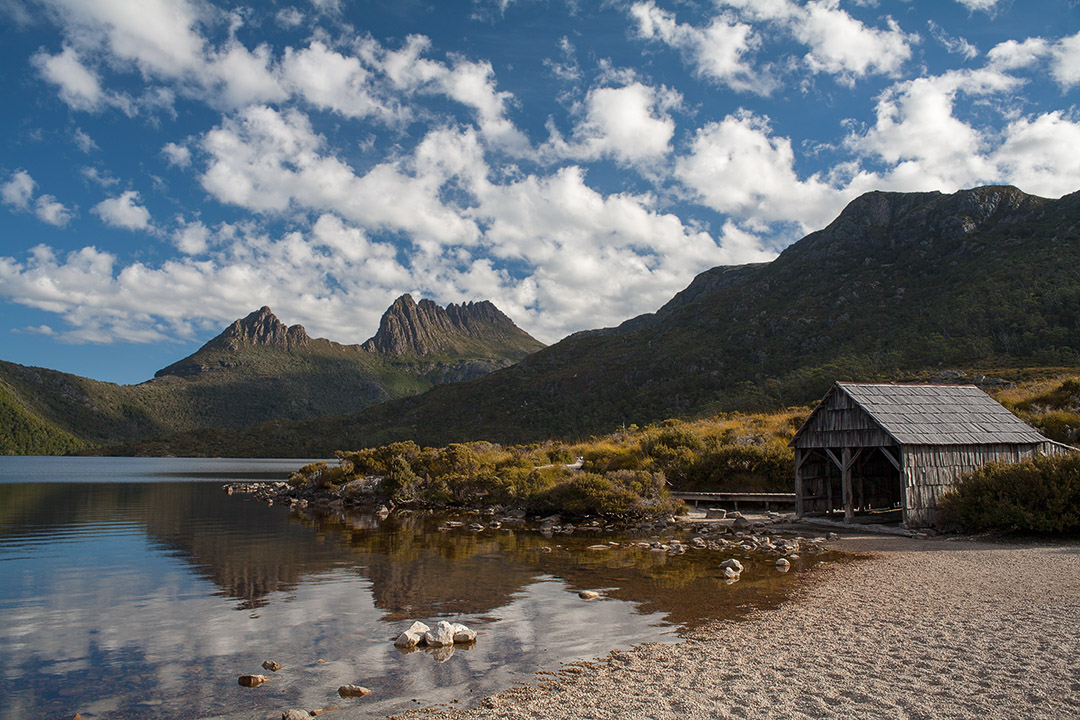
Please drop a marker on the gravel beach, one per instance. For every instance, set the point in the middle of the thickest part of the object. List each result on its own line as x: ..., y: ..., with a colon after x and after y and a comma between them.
x: 923, y: 629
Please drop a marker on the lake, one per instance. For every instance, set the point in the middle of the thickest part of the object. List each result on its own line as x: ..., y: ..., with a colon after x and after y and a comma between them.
x: 137, y: 588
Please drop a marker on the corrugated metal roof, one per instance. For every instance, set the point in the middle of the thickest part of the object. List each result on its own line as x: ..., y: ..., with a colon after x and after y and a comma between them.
x: 940, y: 414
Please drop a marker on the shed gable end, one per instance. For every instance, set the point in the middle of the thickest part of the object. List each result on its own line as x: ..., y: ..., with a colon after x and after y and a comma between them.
x: 839, y: 422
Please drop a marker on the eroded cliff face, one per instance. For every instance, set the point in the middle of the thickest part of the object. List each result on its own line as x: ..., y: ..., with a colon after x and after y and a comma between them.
x: 262, y: 327
x: 425, y: 328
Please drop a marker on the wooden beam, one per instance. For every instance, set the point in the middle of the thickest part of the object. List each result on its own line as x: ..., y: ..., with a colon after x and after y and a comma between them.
x: 845, y: 480
x: 800, y: 457
x: 836, y: 461
x: 889, y: 456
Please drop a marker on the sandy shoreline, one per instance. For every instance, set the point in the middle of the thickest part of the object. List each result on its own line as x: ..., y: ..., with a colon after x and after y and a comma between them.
x: 925, y: 629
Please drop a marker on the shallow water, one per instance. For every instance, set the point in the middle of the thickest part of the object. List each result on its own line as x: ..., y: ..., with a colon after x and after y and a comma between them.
x: 136, y: 588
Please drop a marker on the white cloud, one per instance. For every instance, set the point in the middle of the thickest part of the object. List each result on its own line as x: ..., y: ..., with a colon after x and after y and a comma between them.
x: 79, y: 87
x: 123, y: 211
x: 83, y: 141
x: 49, y: 210
x: 839, y: 44
x: 289, y: 17
x: 269, y: 162
x: 1065, y: 61
x: 738, y: 167
x: 566, y: 69
x: 18, y: 191
x: 191, y: 238
x: 630, y: 124
x: 719, y: 51
x: 177, y: 155
x: 329, y: 80
x: 919, y: 137
x: 98, y: 177
x: 953, y: 44
x: 1012, y: 55
x: 987, y: 6
x: 1041, y: 155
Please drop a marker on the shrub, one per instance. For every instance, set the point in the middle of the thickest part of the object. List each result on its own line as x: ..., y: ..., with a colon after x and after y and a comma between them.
x: 1036, y: 496
x: 588, y: 494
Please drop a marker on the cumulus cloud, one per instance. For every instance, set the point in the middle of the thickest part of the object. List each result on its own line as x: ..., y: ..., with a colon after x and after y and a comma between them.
x: 838, y: 43
x: 721, y: 51
x: 79, y: 87
x: 268, y: 162
x: 177, y: 155
x: 1012, y: 55
x: 630, y: 124
x: 987, y: 6
x: 49, y: 210
x: 738, y: 167
x: 18, y: 192
x: 918, y: 135
x: 1041, y: 154
x: 123, y: 211
x: 1065, y: 61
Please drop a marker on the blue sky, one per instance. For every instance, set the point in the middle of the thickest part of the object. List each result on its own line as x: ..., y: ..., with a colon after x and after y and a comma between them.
x: 167, y: 167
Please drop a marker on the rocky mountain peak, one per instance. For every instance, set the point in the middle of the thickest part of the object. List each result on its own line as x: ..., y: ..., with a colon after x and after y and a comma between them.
x: 262, y: 327
x: 425, y: 328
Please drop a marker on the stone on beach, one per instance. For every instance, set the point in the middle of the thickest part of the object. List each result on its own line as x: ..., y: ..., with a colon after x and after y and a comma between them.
x: 271, y: 665
x: 731, y: 574
x: 353, y: 691
x: 588, y: 594
x: 296, y: 715
x: 252, y: 680
x: 413, y: 636
x: 442, y: 635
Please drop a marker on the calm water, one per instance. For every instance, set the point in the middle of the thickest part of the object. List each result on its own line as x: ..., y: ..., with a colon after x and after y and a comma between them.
x: 136, y: 588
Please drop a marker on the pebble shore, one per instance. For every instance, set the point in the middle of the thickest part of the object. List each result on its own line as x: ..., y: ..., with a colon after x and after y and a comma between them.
x: 924, y: 629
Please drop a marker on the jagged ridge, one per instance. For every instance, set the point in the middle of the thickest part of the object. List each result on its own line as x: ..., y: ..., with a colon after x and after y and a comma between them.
x: 408, y: 328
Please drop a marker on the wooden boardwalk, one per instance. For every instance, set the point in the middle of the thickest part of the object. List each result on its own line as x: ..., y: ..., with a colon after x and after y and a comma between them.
x: 734, y: 498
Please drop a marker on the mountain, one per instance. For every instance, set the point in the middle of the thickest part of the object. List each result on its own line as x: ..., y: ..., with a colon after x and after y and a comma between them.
x: 900, y: 284
x: 257, y: 370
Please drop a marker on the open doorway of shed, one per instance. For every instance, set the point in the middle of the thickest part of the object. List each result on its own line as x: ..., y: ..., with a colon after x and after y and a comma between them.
x: 876, y: 485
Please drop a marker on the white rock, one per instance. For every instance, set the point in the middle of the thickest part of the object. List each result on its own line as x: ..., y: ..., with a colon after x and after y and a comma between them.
x: 588, y: 594
x: 731, y: 574
x: 463, y: 634
x: 441, y: 636
x: 783, y: 562
x: 732, y: 564
x: 413, y: 636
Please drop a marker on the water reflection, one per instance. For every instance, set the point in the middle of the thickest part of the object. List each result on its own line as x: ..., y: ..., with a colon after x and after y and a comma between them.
x: 149, y: 599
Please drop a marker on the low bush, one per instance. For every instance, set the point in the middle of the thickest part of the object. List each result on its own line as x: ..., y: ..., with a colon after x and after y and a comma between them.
x: 1040, y: 496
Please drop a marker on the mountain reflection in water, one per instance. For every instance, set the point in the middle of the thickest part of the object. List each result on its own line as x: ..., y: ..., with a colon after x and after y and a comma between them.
x: 148, y: 599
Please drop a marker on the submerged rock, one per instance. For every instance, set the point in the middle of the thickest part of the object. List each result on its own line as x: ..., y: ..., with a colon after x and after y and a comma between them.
x: 732, y: 564
x: 588, y: 594
x: 731, y: 574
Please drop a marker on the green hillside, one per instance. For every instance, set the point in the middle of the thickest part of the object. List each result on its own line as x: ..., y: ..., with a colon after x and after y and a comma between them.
x: 898, y: 285
x: 259, y: 370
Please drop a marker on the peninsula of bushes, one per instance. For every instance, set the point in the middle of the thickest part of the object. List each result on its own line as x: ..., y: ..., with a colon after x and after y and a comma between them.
x: 629, y: 474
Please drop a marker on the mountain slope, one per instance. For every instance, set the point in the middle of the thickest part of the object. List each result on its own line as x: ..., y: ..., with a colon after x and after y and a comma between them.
x: 258, y: 370
x: 898, y: 283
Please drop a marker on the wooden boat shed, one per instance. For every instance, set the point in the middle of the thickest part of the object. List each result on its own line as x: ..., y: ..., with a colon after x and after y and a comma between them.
x: 873, y: 446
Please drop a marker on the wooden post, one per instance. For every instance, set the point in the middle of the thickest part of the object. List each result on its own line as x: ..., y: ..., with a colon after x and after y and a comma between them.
x: 845, y: 479
x: 798, y: 483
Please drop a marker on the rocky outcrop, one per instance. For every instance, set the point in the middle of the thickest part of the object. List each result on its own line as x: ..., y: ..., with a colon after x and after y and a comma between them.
x: 425, y: 328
